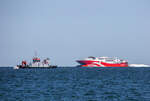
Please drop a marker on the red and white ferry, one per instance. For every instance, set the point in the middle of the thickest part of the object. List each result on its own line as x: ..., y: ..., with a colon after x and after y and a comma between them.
x: 102, y: 62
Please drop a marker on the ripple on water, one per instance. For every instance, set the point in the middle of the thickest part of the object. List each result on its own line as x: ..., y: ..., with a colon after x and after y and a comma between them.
x: 75, y: 84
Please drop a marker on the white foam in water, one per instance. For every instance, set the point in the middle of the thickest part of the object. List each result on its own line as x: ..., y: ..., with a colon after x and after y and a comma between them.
x: 15, y: 67
x: 138, y: 65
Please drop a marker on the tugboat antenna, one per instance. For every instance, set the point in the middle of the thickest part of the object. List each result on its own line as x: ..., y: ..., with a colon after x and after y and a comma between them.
x: 35, y: 53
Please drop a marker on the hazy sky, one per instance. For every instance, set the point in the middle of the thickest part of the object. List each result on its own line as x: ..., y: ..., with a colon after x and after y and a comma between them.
x: 67, y: 30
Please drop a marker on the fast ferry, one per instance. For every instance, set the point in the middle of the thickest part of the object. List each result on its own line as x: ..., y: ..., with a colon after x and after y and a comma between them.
x: 102, y: 62
x: 36, y: 63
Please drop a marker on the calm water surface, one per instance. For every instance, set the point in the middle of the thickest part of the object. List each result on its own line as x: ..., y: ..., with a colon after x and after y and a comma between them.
x: 75, y: 84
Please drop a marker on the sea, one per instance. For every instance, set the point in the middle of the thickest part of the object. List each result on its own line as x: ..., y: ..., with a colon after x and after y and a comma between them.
x: 75, y: 84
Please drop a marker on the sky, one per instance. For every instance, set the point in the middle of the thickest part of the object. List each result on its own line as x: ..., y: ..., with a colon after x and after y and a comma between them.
x: 68, y: 30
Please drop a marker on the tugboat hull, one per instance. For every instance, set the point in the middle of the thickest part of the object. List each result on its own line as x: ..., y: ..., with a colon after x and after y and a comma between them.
x: 28, y: 67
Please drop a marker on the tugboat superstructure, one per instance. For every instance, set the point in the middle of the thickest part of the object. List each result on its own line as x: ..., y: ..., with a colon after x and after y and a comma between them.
x: 36, y: 63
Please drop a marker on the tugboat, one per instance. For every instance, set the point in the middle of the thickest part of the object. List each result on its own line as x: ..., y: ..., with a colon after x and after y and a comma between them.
x: 36, y: 63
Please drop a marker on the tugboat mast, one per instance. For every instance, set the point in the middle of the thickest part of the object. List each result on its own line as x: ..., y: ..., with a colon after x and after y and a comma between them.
x: 35, y: 53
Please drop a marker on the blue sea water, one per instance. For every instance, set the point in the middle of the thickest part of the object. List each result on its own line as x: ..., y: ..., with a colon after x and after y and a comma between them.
x: 75, y: 84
